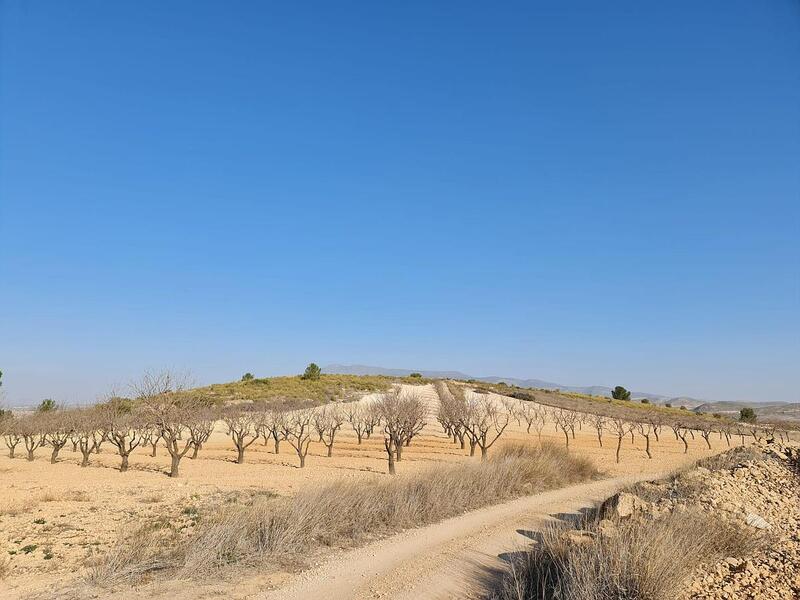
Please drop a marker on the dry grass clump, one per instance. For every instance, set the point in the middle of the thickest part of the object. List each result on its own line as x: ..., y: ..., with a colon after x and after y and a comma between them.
x: 342, y: 514
x: 644, y: 559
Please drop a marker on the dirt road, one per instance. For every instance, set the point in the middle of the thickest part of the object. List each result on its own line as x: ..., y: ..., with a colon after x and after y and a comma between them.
x: 444, y: 560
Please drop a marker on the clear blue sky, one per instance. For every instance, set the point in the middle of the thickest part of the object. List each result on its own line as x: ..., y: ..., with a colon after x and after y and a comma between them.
x: 584, y: 192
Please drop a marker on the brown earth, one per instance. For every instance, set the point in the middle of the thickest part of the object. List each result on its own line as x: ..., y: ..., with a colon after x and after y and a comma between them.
x: 56, y: 521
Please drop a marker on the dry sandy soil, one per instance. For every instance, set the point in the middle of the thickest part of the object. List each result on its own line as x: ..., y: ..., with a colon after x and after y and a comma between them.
x: 56, y: 521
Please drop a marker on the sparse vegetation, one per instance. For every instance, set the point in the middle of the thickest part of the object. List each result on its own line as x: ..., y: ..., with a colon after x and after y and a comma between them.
x: 644, y: 559
x: 341, y: 514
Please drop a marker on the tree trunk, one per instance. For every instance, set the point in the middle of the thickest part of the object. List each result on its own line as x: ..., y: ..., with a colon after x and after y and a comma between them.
x: 176, y: 460
x: 391, y: 462
x: 302, y: 460
x: 484, y: 454
x: 13, y: 448
x: 330, y: 450
x: 600, y: 439
x: 124, y: 466
x: 240, y: 455
x: 155, y: 447
x: 74, y: 446
x: 619, y: 445
x: 54, y: 455
x: 359, y: 435
x: 277, y: 445
x: 85, y: 461
x: 398, y: 452
x: 566, y: 437
x: 685, y: 445
x: 195, y: 450
x: 472, y: 445
x: 30, y: 454
x: 647, y: 446
x: 708, y: 441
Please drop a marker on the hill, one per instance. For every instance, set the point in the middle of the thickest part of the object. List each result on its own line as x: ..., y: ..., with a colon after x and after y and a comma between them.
x: 594, y: 390
x: 776, y: 411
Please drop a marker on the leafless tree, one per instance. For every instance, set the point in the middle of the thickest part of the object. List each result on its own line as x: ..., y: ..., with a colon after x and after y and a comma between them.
x: 680, y: 431
x: 372, y: 419
x: 621, y: 428
x: 273, y: 425
x: 402, y: 415
x: 297, y: 431
x: 565, y: 420
x: 328, y: 420
x: 356, y: 418
x: 599, y: 423
x: 30, y: 428
x: 527, y: 412
x: 11, y: 435
x: 86, y: 426
x: 646, y: 430
x: 151, y: 435
x: 705, y: 431
x: 484, y: 421
x: 449, y: 414
x: 242, y: 428
x: 58, y: 427
x: 123, y: 429
x: 200, y: 427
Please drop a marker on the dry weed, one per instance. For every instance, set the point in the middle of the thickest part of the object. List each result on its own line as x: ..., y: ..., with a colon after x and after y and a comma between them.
x: 341, y: 514
x: 646, y: 559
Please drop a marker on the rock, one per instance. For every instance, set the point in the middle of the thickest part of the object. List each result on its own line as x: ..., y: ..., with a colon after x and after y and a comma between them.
x: 757, y: 521
x: 623, y: 505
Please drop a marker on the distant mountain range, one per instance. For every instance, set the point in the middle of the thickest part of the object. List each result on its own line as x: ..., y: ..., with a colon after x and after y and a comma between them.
x: 594, y: 390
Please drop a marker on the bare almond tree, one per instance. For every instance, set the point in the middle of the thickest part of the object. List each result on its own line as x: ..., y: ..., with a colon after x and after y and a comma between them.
x: 30, y: 428
x: 151, y: 435
x: 86, y: 426
x: 565, y: 421
x: 124, y: 432
x: 402, y: 415
x: 297, y: 431
x: 200, y: 426
x: 621, y: 428
x: 273, y: 425
x: 11, y: 435
x: 58, y: 427
x: 484, y: 421
x: 646, y: 430
x: 356, y: 418
x: 449, y: 414
x: 242, y: 428
x: 372, y: 419
x: 599, y: 424
x: 705, y: 432
x: 328, y: 420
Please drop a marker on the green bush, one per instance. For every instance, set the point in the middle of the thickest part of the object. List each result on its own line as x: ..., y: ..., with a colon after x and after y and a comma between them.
x: 416, y: 375
x: 620, y: 393
x: 747, y: 415
x: 46, y: 405
x: 312, y: 372
x: 247, y: 377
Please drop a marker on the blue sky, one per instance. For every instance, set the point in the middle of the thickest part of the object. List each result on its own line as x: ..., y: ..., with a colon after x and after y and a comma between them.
x: 584, y: 192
